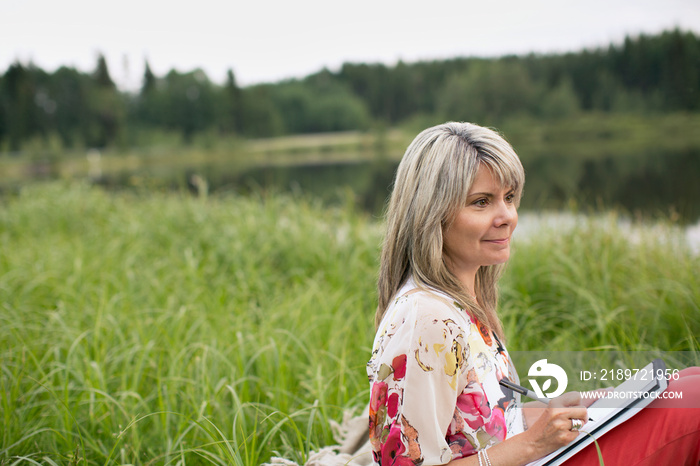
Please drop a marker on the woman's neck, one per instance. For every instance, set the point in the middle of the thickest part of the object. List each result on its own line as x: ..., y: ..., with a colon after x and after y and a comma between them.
x: 468, y: 281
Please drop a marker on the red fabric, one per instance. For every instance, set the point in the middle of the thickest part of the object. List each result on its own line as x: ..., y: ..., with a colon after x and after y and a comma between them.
x: 667, y: 432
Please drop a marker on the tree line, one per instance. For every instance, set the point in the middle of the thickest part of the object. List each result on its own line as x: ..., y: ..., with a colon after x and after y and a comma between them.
x: 659, y: 73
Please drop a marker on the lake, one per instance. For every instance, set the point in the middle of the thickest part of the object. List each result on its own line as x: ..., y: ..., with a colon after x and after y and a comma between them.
x: 664, y: 185
x: 655, y: 185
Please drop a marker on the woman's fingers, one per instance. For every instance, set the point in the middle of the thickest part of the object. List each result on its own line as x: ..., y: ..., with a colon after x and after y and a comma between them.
x: 553, y: 428
x: 555, y: 424
x: 579, y: 412
x: 566, y: 417
x: 595, y: 395
x: 562, y: 410
x: 567, y: 399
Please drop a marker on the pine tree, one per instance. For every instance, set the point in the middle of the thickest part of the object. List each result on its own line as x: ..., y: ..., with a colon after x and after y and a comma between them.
x: 101, y: 74
x: 149, y: 80
x: 107, y: 107
x: 234, y: 104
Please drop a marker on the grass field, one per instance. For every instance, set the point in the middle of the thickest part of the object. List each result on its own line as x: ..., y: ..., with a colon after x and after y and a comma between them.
x: 150, y: 328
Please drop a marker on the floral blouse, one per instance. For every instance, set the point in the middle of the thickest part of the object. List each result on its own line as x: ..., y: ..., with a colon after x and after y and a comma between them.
x: 434, y: 391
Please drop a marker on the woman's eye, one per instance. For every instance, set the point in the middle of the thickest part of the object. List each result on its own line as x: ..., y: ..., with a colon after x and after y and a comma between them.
x: 481, y: 203
x: 510, y: 197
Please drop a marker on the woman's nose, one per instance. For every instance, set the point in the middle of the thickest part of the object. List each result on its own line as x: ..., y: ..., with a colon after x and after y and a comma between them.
x: 507, y: 214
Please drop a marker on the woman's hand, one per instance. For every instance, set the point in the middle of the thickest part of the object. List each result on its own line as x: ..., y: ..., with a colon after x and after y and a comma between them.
x: 552, y: 429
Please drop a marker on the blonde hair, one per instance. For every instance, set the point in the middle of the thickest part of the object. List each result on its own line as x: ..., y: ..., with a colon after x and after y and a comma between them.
x: 431, y: 185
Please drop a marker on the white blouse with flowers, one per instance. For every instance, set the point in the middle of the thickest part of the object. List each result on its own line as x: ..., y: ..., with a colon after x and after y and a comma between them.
x: 434, y: 391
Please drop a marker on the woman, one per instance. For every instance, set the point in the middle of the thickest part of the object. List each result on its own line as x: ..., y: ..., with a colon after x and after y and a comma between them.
x: 438, y: 354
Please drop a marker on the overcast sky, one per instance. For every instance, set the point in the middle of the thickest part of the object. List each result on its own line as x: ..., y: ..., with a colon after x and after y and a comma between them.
x: 272, y: 40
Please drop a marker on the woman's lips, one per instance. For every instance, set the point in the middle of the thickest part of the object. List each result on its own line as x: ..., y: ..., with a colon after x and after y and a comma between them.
x: 498, y: 241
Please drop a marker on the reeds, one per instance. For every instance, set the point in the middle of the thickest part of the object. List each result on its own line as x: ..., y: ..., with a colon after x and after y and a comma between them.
x: 163, y: 329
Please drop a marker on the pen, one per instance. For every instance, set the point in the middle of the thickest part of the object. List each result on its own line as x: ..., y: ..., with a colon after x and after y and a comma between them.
x: 522, y: 390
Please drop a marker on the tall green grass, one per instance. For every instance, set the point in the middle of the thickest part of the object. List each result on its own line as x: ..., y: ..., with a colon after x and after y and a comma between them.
x: 603, y: 283
x: 164, y: 329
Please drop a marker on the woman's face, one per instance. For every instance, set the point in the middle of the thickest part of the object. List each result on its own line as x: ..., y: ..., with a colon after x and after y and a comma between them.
x: 481, y: 232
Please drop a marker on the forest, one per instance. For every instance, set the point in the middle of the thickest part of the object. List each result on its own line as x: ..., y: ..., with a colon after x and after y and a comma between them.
x: 70, y: 109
